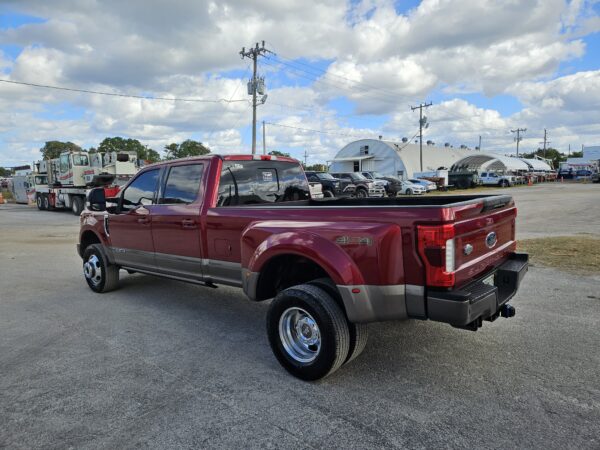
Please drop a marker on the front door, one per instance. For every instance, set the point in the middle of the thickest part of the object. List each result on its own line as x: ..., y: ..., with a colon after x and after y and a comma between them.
x: 130, y: 231
x: 176, y: 222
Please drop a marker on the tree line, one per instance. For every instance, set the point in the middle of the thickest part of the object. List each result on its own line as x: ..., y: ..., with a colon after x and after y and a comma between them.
x: 189, y: 147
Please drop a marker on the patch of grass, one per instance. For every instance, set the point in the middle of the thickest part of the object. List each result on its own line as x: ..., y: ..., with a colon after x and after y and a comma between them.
x: 579, y: 254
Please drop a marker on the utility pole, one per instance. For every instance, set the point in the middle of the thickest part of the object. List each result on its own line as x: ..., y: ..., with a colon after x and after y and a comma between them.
x: 422, y: 122
x: 264, y: 141
x: 545, y: 142
x: 479, y: 143
x: 518, y: 138
x: 255, y: 85
x: 305, y: 157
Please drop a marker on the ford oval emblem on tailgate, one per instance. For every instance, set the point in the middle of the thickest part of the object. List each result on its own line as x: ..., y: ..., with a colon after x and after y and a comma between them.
x: 491, y: 239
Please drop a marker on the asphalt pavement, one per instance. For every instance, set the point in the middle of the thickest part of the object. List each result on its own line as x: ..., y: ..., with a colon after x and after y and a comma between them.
x: 162, y: 364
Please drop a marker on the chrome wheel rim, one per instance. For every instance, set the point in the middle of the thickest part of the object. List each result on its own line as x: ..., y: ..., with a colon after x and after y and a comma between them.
x: 93, y: 270
x: 300, y: 335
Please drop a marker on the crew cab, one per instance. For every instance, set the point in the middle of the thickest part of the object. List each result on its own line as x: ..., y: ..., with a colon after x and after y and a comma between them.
x: 364, y: 186
x: 330, y: 266
x: 331, y: 186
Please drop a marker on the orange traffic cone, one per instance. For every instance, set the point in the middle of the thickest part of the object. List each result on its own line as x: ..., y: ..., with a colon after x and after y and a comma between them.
x: 529, y: 181
x: 1, y: 199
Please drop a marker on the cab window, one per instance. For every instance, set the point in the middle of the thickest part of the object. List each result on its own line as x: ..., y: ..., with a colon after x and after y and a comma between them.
x: 183, y: 184
x: 140, y: 191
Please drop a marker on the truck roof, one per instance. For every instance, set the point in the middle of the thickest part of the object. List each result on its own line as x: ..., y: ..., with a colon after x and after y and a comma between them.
x: 239, y: 157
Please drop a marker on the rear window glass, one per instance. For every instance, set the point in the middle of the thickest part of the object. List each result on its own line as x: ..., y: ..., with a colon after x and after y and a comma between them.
x: 183, y: 184
x: 256, y: 182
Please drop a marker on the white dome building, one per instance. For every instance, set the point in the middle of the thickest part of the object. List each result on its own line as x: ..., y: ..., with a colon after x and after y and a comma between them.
x: 398, y: 159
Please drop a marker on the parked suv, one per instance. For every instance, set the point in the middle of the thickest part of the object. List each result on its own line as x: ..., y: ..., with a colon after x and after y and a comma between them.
x: 364, y: 186
x: 332, y: 187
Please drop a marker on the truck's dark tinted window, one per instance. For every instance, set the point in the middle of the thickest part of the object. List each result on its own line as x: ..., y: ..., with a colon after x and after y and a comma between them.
x: 183, y: 183
x: 141, y: 190
x: 255, y: 182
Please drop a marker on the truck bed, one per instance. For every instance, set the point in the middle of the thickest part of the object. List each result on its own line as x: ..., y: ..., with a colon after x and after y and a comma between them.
x: 489, y: 201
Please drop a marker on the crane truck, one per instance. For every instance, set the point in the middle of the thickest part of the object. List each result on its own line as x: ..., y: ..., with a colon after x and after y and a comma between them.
x: 64, y: 182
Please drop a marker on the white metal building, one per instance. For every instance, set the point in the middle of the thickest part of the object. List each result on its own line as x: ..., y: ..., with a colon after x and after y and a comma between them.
x: 403, y: 159
x: 390, y: 158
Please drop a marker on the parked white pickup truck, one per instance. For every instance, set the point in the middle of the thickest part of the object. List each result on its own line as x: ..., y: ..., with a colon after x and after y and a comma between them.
x: 497, y: 179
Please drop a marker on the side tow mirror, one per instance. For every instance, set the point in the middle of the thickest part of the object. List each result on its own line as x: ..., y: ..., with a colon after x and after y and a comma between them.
x: 96, y: 200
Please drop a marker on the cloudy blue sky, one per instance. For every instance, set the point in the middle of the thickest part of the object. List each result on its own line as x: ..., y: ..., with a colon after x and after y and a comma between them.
x: 347, y: 69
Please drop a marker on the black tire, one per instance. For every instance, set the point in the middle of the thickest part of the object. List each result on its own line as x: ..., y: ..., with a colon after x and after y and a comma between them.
x: 328, y: 194
x: 46, y: 202
x: 100, y: 275
x: 359, y: 332
x: 77, y: 205
x: 409, y: 191
x: 39, y: 201
x: 333, y: 333
x: 503, y: 183
x: 361, y: 193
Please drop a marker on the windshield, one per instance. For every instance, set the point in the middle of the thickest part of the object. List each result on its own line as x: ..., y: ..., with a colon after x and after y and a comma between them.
x: 357, y: 176
x: 377, y: 175
x: 325, y: 176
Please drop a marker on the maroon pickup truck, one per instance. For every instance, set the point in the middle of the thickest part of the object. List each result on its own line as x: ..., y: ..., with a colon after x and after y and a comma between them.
x: 330, y: 265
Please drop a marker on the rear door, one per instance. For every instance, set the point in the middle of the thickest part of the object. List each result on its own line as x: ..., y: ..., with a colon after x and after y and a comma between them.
x: 176, y: 221
x: 130, y: 231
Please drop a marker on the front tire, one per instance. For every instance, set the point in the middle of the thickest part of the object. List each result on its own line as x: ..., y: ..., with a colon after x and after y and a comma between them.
x: 328, y: 194
x: 308, y: 332
x: 100, y: 275
x: 362, y: 193
x: 39, y: 201
x: 409, y: 192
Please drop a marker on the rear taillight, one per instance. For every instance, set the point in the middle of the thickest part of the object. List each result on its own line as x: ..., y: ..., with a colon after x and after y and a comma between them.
x: 436, y: 247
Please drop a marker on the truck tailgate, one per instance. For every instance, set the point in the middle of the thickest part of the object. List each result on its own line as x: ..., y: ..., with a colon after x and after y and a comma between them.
x: 483, y: 243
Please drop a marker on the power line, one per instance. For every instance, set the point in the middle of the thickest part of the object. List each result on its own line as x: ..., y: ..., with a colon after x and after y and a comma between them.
x: 315, y: 131
x: 115, y: 94
x: 333, y: 133
x: 386, y: 97
x: 313, y: 70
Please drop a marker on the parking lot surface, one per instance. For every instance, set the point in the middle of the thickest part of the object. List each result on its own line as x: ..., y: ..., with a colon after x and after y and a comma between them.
x: 163, y: 364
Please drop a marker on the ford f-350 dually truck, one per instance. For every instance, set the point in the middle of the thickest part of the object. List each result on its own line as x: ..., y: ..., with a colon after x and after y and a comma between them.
x: 330, y: 266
